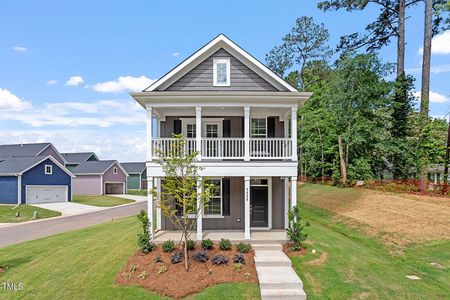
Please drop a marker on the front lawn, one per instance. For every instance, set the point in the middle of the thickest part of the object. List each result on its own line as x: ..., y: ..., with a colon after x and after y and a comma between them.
x: 83, y: 264
x: 103, y: 201
x: 8, y: 213
x: 351, y: 263
x: 137, y: 192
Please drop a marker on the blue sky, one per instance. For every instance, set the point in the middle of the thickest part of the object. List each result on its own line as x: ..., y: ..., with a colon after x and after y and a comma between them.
x: 66, y: 68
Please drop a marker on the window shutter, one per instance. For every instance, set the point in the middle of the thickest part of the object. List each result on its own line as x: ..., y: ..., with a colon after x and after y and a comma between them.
x: 226, y: 128
x: 176, y: 126
x: 226, y: 196
x: 243, y: 127
x: 271, y: 127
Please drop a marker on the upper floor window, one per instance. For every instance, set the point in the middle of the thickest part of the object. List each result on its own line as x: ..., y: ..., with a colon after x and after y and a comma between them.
x: 48, y: 169
x: 221, y: 71
x: 259, y: 127
x: 115, y: 170
x: 191, y: 131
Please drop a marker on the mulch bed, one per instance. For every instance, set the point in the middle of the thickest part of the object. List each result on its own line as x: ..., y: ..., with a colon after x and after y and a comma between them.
x: 178, y: 283
x: 2, y: 269
x: 289, y: 253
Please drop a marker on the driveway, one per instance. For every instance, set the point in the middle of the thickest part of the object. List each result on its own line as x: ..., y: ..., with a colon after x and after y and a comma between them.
x: 69, y: 208
x: 42, y: 228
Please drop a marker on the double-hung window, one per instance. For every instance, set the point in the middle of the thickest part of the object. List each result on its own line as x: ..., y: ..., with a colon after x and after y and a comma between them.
x: 221, y: 72
x: 259, y: 127
x: 214, y: 206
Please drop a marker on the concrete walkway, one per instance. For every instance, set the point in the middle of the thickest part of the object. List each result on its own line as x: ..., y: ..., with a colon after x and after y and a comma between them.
x: 277, y: 278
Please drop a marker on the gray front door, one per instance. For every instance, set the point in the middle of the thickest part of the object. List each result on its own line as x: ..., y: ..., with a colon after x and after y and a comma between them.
x: 259, y: 200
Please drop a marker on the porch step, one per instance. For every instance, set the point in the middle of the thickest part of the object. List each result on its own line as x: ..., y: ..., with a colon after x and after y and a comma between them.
x: 271, y: 258
x: 267, y: 247
x: 278, y: 278
x: 285, y: 294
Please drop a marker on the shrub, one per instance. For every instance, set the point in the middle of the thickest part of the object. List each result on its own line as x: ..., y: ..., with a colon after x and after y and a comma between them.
x: 168, y: 246
x: 237, y: 267
x: 162, y: 270
x: 239, y: 259
x: 200, y: 256
x: 225, y: 244
x: 143, y: 237
x: 207, y: 244
x: 190, y: 245
x: 219, y: 260
x: 295, y: 232
x: 177, y: 257
x: 243, y: 247
x: 143, y: 275
x: 158, y: 259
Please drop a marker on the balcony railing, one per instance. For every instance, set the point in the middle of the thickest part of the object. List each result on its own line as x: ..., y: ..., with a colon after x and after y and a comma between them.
x: 227, y: 148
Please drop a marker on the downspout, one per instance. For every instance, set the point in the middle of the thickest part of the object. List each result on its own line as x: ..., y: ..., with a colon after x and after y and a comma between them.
x: 19, y: 189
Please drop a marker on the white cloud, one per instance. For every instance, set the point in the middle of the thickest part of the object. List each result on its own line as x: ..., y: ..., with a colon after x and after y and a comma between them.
x: 52, y: 81
x: 434, y: 69
x: 10, y: 102
x: 103, y: 142
x: 434, y: 97
x: 175, y: 54
x: 74, y: 81
x: 123, y: 83
x: 440, y: 44
x: 20, y: 49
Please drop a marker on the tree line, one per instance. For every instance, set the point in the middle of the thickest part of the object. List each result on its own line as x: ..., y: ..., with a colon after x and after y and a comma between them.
x: 359, y: 124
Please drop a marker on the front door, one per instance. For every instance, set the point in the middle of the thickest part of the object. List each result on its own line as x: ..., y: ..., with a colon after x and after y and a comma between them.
x: 259, y: 199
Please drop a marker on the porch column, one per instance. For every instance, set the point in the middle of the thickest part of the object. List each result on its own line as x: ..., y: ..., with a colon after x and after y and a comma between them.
x: 200, y: 214
x: 294, y: 133
x: 158, y: 209
x: 286, y: 202
x: 149, y: 133
x: 247, y: 133
x: 247, y: 208
x: 293, y: 191
x: 151, y: 230
x: 198, y: 131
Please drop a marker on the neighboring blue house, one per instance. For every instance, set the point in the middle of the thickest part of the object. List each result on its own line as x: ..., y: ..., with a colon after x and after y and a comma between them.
x: 34, y: 180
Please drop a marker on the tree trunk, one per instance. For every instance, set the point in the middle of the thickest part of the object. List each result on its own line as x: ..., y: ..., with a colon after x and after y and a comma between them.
x: 425, y: 93
x: 342, y: 161
x: 447, y: 155
x: 322, y: 155
x: 401, y: 39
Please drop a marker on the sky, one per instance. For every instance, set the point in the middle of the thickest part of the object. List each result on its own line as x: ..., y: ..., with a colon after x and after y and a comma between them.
x: 67, y: 67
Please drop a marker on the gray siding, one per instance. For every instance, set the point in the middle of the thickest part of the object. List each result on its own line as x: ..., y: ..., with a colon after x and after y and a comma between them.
x: 201, y: 77
x: 277, y: 203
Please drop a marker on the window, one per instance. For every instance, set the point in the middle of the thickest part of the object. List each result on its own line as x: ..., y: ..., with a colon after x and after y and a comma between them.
x: 48, y: 169
x: 259, y: 127
x: 221, y: 72
x: 214, y: 206
x: 191, y: 131
x: 115, y: 170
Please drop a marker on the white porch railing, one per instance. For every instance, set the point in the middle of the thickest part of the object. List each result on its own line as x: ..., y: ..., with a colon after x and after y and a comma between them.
x: 270, y: 148
x: 223, y: 148
x: 227, y: 148
x: 167, y: 146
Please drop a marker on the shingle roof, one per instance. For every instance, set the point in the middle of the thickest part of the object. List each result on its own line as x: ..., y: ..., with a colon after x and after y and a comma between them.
x: 77, y: 158
x: 134, y: 167
x: 21, y: 150
x: 17, y: 165
x: 93, y: 167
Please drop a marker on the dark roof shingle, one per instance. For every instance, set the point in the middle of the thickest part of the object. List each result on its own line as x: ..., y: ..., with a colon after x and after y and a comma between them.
x: 134, y: 167
x: 77, y: 158
x: 21, y: 150
x: 93, y: 167
x: 17, y: 165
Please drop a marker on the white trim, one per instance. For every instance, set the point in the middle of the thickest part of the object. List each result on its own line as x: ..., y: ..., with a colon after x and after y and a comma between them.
x: 294, y: 133
x: 46, y: 186
x: 247, y: 133
x: 247, y: 234
x: 158, y: 208
x: 220, y: 41
x: 217, y: 61
x: 200, y: 214
x: 286, y: 202
x: 198, y: 132
x: 150, y: 212
x: 149, y: 134
x: 19, y: 189
x: 293, y: 191
x: 50, y: 170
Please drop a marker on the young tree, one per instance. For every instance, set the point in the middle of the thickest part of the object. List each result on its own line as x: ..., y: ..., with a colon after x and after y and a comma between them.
x: 183, y: 194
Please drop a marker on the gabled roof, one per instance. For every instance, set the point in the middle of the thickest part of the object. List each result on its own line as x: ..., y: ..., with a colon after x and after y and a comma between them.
x: 23, y: 150
x: 96, y: 167
x: 134, y: 167
x: 78, y: 158
x: 221, y: 41
x: 19, y: 165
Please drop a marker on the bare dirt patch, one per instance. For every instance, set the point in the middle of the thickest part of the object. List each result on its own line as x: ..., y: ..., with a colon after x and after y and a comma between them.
x: 398, y: 219
x: 2, y: 269
x: 178, y: 283
x: 290, y: 253
x: 318, y: 261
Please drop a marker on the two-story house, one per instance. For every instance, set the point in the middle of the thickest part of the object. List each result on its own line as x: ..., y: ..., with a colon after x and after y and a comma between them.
x: 242, y: 120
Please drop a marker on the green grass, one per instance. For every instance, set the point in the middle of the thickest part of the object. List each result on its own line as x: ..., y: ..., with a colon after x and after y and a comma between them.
x: 103, y: 201
x: 8, y: 213
x: 358, y: 266
x: 83, y: 264
x: 137, y: 192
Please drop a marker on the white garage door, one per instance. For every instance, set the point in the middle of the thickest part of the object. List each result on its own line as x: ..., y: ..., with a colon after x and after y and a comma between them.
x: 46, y: 194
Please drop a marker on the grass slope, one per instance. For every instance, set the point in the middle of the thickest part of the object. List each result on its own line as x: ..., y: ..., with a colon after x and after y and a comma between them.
x: 82, y: 264
x: 353, y: 265
x: 103, y: 201
x: 137, y: 192
x: 8, y: 213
